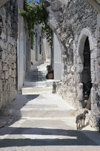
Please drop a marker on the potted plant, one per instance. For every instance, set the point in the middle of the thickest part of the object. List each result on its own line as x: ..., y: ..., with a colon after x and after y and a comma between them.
x: 48, y: 67
x: 50, y: 74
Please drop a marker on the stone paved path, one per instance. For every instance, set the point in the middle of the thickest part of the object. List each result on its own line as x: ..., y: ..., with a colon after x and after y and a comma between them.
x: 42, y: 121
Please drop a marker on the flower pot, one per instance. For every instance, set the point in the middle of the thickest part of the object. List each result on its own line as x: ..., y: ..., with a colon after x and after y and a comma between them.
x: 50, y: 75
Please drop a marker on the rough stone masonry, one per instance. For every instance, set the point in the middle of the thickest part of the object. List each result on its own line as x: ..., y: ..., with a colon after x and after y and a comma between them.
x: 8, y: 49
x: 77, y: 26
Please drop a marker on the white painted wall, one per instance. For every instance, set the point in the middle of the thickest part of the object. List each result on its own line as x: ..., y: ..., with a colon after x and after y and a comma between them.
x: 20, y: 47
x: 46, y: 49
x: 57, y: 59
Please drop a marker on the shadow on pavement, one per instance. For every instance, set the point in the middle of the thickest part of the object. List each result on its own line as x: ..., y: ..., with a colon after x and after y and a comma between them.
x: 46, y: 137
x: 13, y: 110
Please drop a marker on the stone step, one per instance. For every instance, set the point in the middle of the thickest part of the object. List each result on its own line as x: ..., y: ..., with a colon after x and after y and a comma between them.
x: 43, y: 113
x: 35, y: 90
x: 46, y: 83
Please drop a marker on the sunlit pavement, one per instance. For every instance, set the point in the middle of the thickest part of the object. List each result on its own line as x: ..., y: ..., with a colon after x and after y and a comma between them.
x: 42, y: 121
x: 50, y: 128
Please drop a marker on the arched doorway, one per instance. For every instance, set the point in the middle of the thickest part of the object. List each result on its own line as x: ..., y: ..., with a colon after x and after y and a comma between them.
x: 86, y: 75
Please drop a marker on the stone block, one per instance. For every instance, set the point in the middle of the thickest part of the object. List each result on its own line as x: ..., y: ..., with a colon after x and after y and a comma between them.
x: 3, y: 56
x: 14, y: 49
x: 10, y: 56
x: 3, y: 36
x: 93, y: 96
x: 78, y: 78
x: 12, y: 41
x: 13, y: 73
x: 7, y: 96
x: 0, y: 65
x: 94, y: 54
x: 6, y: 74
x: 79, y: 60
x: 98, y: 76
x: 0, y: 85
x: 98, y: 17
x: 5, y: 86
x: 9, y: 71
x: 79, y: 68
x: 93, y: 121
x: 93, y: 77
x: 13, y: 58
x: 14, y: 81
x: 98, y: 53
x: 5, y: 45
x: 68, y: 69
x: 5, y: 67
x: 94, y: 109
x: 1, y: 43
x: 98, y: 45
x: 12, y: 95
x: 2, y: 75
x: 80, y: 92
x: 73, y: 69
x: 59, y: 30
x: 99, y: 91
x: 9, y: 47
x: 98, y: 70
x: 92, y: 65
x: 55, y: 5
x: 98, y: 85
x: 1, y: 100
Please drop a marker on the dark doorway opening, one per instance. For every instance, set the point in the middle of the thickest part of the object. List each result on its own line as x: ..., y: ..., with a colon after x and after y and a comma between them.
x: 86, y: 75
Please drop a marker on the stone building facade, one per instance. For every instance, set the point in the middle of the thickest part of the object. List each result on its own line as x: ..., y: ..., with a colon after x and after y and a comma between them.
x: 77, y: 26
x: 15, y: 51
x: 8, y: 51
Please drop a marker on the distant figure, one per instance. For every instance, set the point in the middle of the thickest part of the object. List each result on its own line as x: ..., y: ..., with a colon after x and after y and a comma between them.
x: 80, y: 120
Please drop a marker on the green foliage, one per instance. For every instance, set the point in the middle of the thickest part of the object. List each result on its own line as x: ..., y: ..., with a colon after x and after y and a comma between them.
x: 35, y: 14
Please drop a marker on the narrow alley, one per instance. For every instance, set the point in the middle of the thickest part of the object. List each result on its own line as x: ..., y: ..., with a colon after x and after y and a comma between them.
x: 49, y: 75
x: 40, y: 120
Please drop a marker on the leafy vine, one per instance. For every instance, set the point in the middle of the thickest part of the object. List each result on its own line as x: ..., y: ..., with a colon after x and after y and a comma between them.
x: 35, y: 13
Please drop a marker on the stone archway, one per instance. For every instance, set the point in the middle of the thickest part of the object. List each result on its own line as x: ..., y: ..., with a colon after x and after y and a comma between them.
x: 85, y: 46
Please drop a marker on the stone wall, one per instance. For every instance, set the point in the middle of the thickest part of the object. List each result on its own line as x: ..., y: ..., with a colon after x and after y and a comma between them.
x: 74, y: 21
x: 8, y: 48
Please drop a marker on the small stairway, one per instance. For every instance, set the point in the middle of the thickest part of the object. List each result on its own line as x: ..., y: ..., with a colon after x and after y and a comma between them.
x: 36, y: 80
x: 37, y: 102
x: 40, y: 106
x: 40, y: 101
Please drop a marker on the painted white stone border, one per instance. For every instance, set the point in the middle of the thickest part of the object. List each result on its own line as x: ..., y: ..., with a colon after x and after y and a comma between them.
x: 85, y: 33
